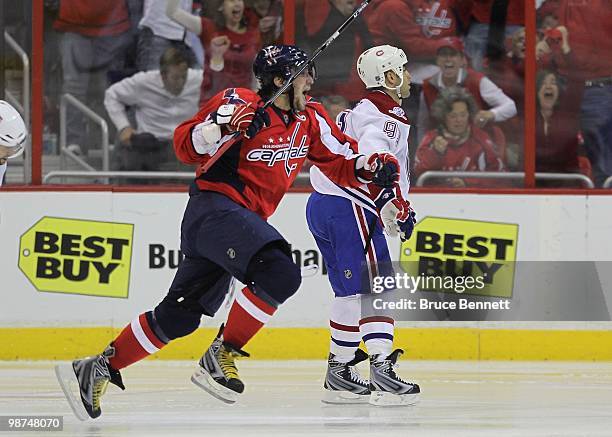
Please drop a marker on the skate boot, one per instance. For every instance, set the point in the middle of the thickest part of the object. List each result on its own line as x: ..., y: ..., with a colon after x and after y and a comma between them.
x: 85, y: 381
x: 343, y: 383
x: 217, y: 372
x: 387, y: 388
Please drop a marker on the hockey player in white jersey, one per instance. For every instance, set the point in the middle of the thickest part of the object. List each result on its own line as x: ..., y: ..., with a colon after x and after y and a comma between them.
x: 347, y: 225
x: 12, y: 135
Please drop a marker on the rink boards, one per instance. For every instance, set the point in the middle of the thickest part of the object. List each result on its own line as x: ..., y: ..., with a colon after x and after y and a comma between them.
x: 77, y: 266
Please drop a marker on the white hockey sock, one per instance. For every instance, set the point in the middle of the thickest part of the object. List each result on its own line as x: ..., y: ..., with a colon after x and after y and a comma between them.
x: 344, y: 327
x: 377, y: 334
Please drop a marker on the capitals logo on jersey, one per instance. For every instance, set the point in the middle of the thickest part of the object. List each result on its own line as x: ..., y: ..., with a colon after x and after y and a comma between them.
x: 433, y: 20
x: 281, y: 149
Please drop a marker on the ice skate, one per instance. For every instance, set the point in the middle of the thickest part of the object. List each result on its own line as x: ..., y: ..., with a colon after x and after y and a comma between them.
x: 85, y: 381
x: 343, y: 383
x: 387, y: 388
x: 217, y: 372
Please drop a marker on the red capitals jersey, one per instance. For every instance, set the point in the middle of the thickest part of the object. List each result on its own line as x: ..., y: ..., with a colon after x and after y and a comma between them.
x: 257, y: 172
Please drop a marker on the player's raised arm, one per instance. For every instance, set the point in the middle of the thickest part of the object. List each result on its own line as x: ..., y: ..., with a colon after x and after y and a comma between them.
x: 233, y: 109
x: 337, y: 156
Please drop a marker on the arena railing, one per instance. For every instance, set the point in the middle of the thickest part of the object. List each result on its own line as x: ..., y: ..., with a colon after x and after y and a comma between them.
x: 518, y: 176
x: 117, y: 174
x: 70, y: 100
x: 24, y: 106
x: 301, y: 178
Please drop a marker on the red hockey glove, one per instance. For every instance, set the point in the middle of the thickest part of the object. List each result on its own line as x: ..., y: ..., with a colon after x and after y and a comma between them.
x: 245, y: 118
x: 379, y: 168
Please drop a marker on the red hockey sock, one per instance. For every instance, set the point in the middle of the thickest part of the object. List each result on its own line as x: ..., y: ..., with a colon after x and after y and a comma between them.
x: 246, y: 317
x: 136, y: 341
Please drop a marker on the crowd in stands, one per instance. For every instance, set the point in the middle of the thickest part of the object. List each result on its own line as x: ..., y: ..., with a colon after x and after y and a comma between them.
x: 466, y: 59
x: 146, y: 65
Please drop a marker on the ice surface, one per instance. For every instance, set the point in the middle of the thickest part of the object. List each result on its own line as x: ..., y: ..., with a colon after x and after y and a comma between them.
x: 282, y: 398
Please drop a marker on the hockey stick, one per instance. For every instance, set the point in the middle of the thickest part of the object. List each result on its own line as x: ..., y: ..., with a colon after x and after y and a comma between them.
x: 289, y: 82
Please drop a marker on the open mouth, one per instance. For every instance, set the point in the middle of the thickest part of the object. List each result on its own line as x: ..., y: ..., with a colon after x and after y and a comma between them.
x: 237, y: 13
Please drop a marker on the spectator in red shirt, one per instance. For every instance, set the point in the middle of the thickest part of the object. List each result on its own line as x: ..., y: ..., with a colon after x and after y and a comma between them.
x: 95, y: 36
x: 230, y: 42
x: 556, y: 129
x: 457, y: 144
x: 553, y: 50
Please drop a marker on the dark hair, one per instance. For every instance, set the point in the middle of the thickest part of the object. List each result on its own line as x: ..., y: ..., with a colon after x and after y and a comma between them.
x: 172, y: 56
x: 540, y: 80
x: 449, y: 96
x: 211, y: 9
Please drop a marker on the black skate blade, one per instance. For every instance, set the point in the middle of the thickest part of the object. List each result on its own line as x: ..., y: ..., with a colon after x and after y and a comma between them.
x: 68, y: 383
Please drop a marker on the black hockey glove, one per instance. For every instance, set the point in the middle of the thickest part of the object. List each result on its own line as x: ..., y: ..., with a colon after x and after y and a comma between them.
x: 261, y: 119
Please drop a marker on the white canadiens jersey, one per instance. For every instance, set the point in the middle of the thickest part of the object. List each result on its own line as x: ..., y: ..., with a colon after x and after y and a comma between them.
x: 378, y: 124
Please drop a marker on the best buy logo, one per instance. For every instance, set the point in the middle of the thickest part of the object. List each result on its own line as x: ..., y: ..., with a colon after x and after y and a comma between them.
x: 77, y: 256
x: 447, y: 247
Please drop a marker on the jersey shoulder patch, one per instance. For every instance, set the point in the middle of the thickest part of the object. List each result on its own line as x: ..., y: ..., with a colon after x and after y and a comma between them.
x: 387, y: 106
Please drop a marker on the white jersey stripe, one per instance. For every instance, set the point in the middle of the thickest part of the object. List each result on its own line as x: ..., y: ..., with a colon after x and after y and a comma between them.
x: 331, y: 142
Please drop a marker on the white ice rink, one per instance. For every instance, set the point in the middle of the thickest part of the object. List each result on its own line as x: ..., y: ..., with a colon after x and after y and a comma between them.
x: 282, y: 399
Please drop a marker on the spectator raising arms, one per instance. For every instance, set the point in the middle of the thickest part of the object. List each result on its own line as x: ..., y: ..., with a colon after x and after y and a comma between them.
x: 493, y: 104
x: 268, y: 14
x: 456, y: 145
x: 157, y: 32
x: 230, y: 42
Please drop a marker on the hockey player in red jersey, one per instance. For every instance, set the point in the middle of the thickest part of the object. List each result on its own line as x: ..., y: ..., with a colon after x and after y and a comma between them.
x: 224, y: 232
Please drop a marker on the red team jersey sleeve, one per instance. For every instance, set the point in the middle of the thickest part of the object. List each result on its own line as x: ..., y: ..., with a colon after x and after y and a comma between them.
x: 183, y: 144
x: 332, y: 151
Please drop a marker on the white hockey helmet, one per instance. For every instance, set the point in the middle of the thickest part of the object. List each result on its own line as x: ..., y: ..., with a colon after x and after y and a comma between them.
x: 376, y: 61
x: 13, y: 131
